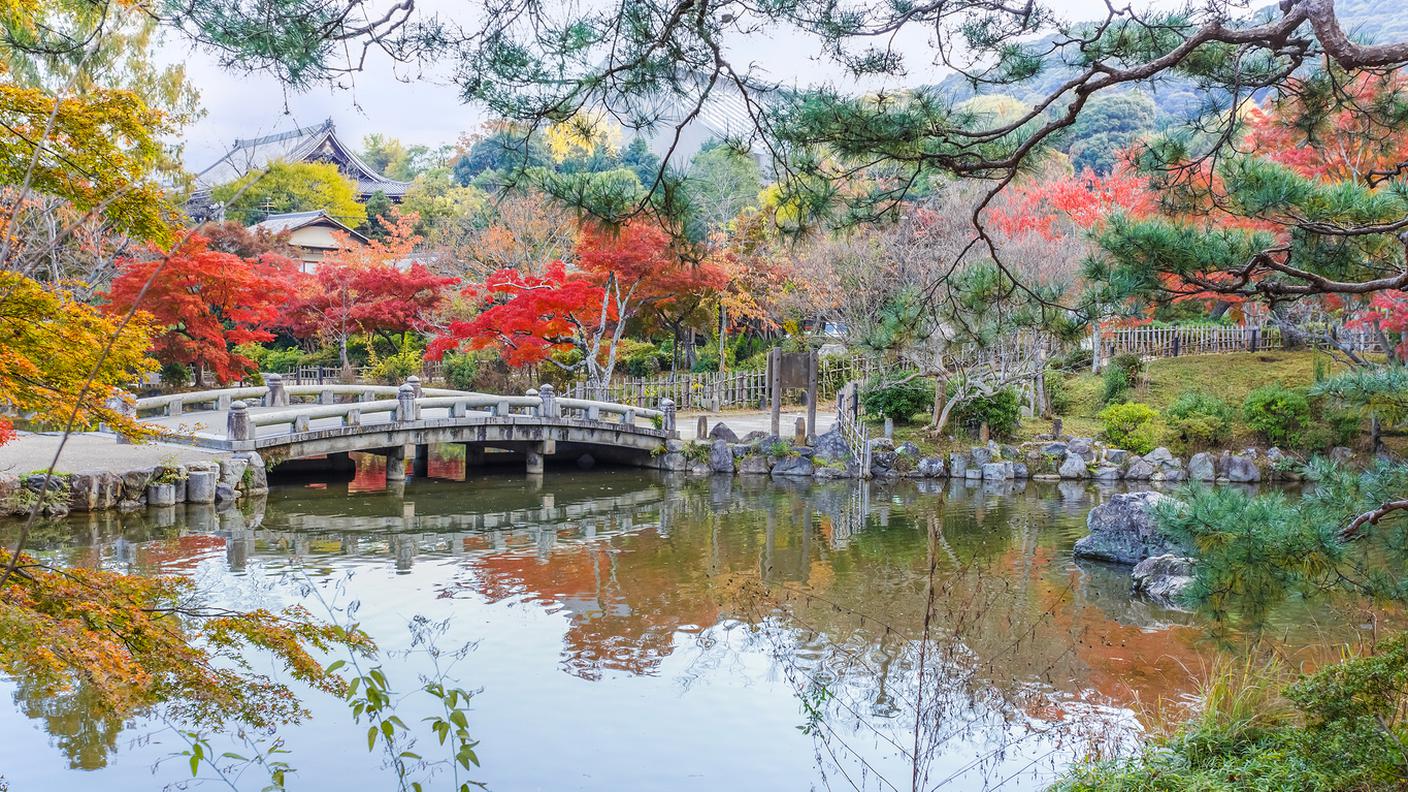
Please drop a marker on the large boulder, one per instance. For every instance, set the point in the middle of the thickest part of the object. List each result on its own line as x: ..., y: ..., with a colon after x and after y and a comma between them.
x: 722, y: 432
x: 958, y: 464
x: 1242, y: 469
x: 1122, y: 530
x: 1073, y: 467
x: 1084, y: 447
x: 720, y: 457
x: 793, y: 466
x: 1163, y: 578
x: 1139, y: 470
x: 831, y: 457
x: 1202, y: 467
x: 981, y: 455
x: 997, y: 471
x: 931, y: 467
x: 1167, y: 467
x: 754, y: 464
x: 1108, y: 473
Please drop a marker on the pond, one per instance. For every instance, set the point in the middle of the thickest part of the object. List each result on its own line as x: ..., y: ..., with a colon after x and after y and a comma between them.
x: 625, y: 629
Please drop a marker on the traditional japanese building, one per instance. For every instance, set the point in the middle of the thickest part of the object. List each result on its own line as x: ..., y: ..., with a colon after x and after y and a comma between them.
x: 311, y: 234
x: 306, y: 144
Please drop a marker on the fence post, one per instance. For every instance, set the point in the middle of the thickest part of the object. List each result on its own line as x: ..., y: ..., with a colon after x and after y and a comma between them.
x: 405, y: 403
x: 414, y: 382
x: 237, y: 422
x: 667, y: 406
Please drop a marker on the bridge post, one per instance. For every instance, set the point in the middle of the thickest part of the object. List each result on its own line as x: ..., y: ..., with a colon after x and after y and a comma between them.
x: 123, y: 404
x: 406, y: 403
x: 533, y: 393
x: 667, y: 406
x: 237, y: 422
x: 396, y: 463
x: 535, y: 457
x: 278, y: 394
x: 414, y: 382
x: 549, y: 399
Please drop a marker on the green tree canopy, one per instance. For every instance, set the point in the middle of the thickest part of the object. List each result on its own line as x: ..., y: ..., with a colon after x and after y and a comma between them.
x: 292, y: 187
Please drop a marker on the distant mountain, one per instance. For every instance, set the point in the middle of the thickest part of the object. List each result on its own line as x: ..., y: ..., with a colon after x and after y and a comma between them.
x: 1370, y: 20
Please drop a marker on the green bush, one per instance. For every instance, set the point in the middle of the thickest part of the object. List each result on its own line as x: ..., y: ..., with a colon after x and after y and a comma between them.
x: 394, y: 369
x: 460, y: 370
x: 898, y: 401
x: 1198, y: 420
x: 642, y: 358
x: 1132, y: 426
x: 175, y: 375
x: 1279, y: 414
x: 283, y: 361
x: 1121, y: 374
x: 1058, y: 393
x: 1002, y: 412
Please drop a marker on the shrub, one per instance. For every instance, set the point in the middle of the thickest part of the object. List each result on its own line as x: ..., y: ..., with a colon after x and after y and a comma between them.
x: 641, y: 358
x: 1077, y: 359
x: 394, y: 369
x: 1121, y: 373
x: 1002, y: 412
x: 1198, y: 420
x: 1058, y: 394
x: 175, y: 375
x: 1279, y: 414
x: 1132, y: 426
x: 461, y: 370
x: 283, y: 360
x: 898, y: 401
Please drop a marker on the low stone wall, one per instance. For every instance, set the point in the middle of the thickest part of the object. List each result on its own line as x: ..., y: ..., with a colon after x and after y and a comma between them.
x: 1068, y: 458
x: 222, y: 479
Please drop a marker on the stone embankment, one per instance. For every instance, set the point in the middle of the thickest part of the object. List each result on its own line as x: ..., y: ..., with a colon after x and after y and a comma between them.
x: 217, y: 480
x: 1066, y: 458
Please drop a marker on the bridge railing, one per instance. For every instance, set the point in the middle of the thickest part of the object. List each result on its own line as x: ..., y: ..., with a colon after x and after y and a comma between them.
x: 242, y: 425
x: 275, y: 393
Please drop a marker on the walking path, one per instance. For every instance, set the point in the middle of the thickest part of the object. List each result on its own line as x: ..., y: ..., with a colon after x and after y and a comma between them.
x: 86, y: 452
x: 743, y: 422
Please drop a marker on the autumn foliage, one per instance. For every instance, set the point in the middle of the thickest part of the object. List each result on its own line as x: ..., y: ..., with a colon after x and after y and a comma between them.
x: 205, y: 302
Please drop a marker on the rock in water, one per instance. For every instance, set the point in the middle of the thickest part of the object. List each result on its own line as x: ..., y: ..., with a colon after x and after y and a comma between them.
x: 1122, y: 530
x: 1163, y: 578
x: 1202, y: 467
x: 792, y: 466
x: 720, y: 457
x: 1242, y: 469
x: 1074, y: 466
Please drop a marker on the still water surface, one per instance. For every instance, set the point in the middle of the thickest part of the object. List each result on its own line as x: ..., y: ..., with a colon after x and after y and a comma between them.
x: 630, y: 631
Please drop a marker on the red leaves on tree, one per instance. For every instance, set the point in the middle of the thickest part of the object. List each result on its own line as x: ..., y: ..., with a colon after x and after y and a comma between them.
x: 1347, y: 143
x: 205, y: 302
x: 618, y: 270
x: 1083, y: 200
x: 368, y: 288
x: 529, y: 317
x: 1388, y: 313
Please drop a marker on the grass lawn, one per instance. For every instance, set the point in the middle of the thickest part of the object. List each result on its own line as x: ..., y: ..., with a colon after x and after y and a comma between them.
x: 1229, y: 376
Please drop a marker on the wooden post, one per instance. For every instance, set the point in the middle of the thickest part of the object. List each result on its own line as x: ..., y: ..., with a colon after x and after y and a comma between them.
x: 812, y: 365
x: 775, y: 387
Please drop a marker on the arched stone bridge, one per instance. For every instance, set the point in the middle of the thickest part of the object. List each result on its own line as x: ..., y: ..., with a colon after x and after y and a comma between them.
x: 289, y: 422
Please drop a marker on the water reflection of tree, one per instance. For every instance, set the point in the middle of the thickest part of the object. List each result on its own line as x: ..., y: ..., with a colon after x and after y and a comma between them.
x: 84, y: 737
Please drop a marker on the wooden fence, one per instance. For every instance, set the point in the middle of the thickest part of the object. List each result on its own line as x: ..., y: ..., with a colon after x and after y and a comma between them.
x: 1175, y: 341
x: 715, y: 391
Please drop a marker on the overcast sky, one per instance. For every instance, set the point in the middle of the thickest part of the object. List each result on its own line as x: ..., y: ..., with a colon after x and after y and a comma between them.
x: 423, y: 108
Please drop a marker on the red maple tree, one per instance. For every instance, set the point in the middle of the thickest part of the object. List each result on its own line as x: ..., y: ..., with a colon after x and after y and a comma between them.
x: 618, y: 272
x: 205, y: 302
x: 368, y: 288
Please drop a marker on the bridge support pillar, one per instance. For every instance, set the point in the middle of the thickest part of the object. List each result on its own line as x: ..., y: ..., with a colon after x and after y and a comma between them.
x: 420, y: 466
x: 473, y: 455
x: 396, y: 463
x: 536, y: 452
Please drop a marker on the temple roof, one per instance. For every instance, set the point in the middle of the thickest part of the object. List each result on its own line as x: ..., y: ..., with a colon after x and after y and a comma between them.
x: 305, y: 144
x: 292, y: 221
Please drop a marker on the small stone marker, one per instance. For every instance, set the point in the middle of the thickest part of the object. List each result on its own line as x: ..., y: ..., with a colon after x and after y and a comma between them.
x: 701, y: 427
x: 890, y: 428
x: 799, y: 434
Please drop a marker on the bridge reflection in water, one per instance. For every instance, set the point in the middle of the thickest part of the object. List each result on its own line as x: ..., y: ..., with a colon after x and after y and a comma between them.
x: 646, y: 575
